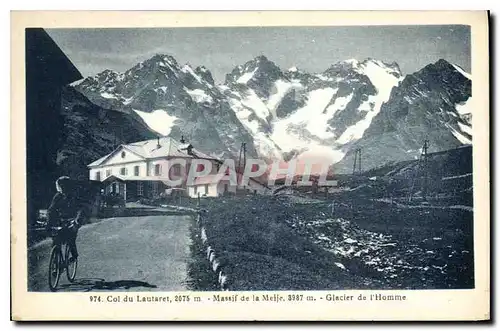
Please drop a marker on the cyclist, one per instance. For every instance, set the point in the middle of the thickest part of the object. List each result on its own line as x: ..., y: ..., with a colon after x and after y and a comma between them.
x: 63, y: 209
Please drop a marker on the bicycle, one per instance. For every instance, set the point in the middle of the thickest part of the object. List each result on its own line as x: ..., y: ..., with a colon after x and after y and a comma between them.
x: 60, y: 260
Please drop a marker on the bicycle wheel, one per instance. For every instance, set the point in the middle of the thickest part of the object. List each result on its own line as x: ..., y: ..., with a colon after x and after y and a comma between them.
x: 70, y: 266
x: 54, y: 267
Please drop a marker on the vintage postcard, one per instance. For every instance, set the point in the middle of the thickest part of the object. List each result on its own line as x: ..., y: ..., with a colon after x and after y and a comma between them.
x: 269, y: 166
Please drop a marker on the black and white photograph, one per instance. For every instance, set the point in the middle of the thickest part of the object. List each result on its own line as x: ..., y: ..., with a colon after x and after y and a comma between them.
x: 250, y: 158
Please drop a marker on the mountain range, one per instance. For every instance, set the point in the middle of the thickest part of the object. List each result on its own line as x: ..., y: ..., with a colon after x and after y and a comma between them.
x: 285, y: 114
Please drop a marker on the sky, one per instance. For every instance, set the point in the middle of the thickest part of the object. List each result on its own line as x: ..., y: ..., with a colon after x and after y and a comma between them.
x: 312, y: 49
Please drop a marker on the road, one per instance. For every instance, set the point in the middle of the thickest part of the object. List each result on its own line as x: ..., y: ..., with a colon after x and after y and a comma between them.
x: 137, y: 253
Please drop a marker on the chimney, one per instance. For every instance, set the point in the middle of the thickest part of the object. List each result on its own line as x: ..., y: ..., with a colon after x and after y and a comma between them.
x: 190, y: 149
x: 158, y: 142
x: 182, y: 140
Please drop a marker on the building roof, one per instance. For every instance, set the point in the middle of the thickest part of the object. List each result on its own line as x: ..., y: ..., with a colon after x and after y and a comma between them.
x: 98, y: 161
x: 135, y: 178
x: 157, y: 148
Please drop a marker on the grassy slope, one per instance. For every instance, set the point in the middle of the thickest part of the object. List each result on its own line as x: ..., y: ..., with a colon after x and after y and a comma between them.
x: 260, y: 251
x: 271, y: 243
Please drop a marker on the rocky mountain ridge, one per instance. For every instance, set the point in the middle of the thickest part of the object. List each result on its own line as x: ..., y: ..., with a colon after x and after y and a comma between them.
x: 285, y: 114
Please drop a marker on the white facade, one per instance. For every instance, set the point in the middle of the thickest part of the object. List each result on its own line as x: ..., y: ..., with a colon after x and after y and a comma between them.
x: 125, y: 163
x: 124, y: 169
x: 153, y: 162
x: 211, y: 189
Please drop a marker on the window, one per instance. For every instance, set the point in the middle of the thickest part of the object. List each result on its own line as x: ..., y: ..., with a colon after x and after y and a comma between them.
x: 206, y: 189
x: 123, y: 155
x: 108, y: 172
x: 196, y: 190
x: 140, y: 188
x: 154, y: 188
x: 200, y: 167
x: 98, y: 175
x: 123, y: 171
x: 136, y: 171
x: 176, y: 169
x: 225, y: 188
x: 157, y: 169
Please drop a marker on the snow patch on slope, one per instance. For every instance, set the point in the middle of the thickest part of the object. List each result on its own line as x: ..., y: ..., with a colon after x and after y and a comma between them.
x: 289, y: 140
x: 161, y: 88
x: 167, y: 64
x: 199, y: 95
x: 465, y: 107
x: 460, y: 137
x: 318, y: 122
x: 463, y: 139
x: 253, y: 122
x: 246, y: 77
x: 381, y: 78
x: 252, y: 101
x: 384, y: 81
x: 281, y: 87
x: 107, y: 95
x: 465, y: 128
x: 158, y: 120
x: 127, y: 101
x: 462, y: 71
x: 356, y: 131
x: 318, y: 153
x: 266, y: 146
x: 188, y: 70
x: 243, y: 113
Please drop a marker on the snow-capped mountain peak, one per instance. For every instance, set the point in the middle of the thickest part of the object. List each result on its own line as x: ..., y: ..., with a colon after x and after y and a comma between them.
x: 431, y: 104
x: 203, y: 72
x: 293, y: 113
x: 384, y: 77
x: 188, y: 70
x: 256, y: 70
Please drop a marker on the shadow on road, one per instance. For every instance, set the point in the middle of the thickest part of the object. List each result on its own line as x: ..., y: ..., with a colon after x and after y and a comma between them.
x: 130, y: 212
x: 138, y: 212
x: 91, y: 284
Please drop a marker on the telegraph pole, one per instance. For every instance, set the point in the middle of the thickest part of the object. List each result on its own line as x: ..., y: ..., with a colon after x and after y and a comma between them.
x: 422, y: 172
x: 426, y: 170
x: 239, y: 170
x: 359, y: 150
x: 354, y: 164
x: 357, y: 161
x: 243, y: 150
x: 244, y: 155
x: 239, y: 158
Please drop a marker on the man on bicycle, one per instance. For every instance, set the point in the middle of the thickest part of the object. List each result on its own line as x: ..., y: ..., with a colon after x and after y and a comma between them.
x: 64, y: 209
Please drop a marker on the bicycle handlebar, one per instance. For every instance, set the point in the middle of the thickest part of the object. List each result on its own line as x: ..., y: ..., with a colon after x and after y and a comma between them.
x: 71, y: 224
